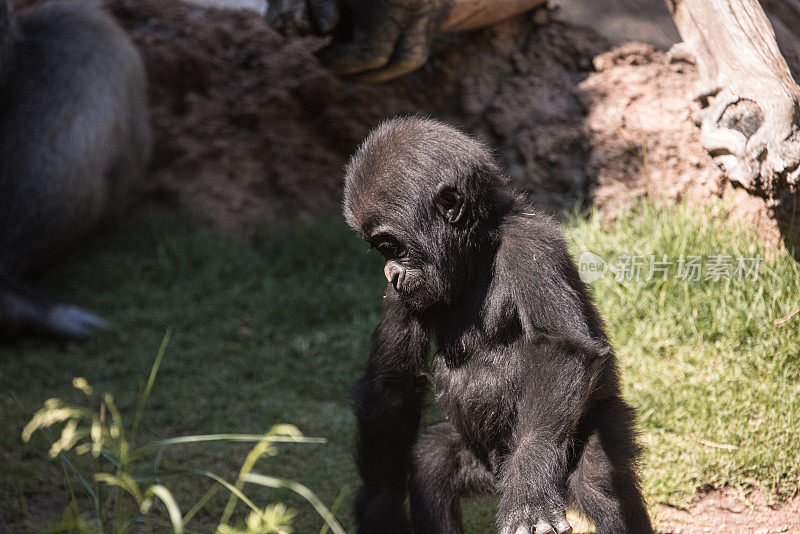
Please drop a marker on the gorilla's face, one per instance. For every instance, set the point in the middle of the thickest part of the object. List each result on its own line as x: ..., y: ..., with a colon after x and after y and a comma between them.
x: 413, y: 266
x: 415, y: 192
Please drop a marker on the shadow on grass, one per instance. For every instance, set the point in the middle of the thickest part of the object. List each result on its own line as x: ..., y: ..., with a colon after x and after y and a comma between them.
x: 264, y: 332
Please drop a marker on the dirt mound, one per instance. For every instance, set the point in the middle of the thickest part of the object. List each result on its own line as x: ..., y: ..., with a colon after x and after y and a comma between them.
x: 643, y: 140
x: 249, y: 126
x: 639, y: 127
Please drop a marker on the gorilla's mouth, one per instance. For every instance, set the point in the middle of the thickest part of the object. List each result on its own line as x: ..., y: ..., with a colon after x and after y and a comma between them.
x: 417, y: 294
x: 411, y: 283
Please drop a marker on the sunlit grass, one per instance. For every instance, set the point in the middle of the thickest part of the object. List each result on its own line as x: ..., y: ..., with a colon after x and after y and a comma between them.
x: 711, y: 367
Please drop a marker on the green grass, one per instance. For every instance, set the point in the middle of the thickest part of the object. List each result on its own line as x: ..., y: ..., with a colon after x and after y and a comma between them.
x: 715, y: 381
x: 263, y: 333
x: 275, y: 331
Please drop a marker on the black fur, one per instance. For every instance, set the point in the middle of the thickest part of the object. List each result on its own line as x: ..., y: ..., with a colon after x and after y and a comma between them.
x: 523, y: 370
x: 74, y: 141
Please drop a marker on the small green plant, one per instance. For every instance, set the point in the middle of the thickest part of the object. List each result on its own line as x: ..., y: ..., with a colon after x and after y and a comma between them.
x: 131, y: 493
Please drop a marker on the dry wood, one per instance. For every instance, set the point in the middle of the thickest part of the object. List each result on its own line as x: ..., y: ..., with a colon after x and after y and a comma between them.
x: 750, y: 121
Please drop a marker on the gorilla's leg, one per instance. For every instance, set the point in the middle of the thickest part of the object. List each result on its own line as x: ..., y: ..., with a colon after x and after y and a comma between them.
x: 25, y: 311
x: 604, y: 485
x: 444, y: 469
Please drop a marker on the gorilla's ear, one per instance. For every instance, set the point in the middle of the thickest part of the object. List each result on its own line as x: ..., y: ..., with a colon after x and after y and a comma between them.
x: 450, y: 204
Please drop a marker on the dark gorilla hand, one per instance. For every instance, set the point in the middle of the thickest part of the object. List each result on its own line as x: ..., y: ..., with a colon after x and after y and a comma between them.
x: 378, y: 39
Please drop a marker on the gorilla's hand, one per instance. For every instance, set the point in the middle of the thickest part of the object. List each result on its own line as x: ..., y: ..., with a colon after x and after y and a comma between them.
x: 529, y: 521
x: 377, y: 40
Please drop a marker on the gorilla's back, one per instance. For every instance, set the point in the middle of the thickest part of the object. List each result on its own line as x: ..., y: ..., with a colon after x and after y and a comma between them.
x: 74, y: 135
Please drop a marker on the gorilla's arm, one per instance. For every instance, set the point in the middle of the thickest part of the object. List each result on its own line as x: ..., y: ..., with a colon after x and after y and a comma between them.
x: 390, y: 38
x: 389, y: 399
x: 563, y: 375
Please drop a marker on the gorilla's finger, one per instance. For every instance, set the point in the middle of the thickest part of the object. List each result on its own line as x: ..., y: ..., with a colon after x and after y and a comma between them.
x: 395, y: 69
x: 410, y: 54
x: 351, y: 58
x: 523, y: 529
x: 563, y: 527
x: 543, y: 527
x: 559, y: 519
x: 325, y: 14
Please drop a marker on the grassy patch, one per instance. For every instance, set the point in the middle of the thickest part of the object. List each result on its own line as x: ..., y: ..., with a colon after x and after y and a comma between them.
x: 268, y: 332
x: 275, y: 331
x: 714, y: 379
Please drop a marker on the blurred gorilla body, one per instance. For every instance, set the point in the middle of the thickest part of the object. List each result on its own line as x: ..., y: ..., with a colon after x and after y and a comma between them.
x: 523, y: 371
x: 74, y: 141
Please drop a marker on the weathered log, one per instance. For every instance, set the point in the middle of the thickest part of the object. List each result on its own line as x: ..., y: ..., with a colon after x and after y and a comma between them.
x: 750, y: 120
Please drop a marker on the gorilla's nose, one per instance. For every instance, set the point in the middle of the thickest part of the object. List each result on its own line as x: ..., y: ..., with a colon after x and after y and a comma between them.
x: 395, y: 274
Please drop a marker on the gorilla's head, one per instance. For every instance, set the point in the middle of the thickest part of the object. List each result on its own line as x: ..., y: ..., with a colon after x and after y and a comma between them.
x: 425, y: 196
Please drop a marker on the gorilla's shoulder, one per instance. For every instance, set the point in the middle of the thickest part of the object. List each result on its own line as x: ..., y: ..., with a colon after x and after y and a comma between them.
x: 535, y: 281
x: 531, y: 238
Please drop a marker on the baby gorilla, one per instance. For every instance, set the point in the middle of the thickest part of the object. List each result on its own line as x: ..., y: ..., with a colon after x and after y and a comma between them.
x: 523, y: 370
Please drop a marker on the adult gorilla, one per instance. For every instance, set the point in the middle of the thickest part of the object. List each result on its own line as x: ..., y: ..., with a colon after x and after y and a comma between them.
x: 74, y: 141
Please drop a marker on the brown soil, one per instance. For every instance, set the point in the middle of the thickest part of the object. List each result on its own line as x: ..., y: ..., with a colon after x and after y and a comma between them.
x: 725, y: 512
x: 640, y: 130
x: 719, y: 512
x: 643, y: 140
x: 250, y: 127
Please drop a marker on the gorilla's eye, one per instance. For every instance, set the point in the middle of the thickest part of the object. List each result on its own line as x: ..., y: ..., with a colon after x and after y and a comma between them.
x: 388, y: 247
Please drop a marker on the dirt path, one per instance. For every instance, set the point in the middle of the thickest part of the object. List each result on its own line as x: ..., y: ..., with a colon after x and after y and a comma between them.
x: 724, y: 512
x: 720, y: 512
